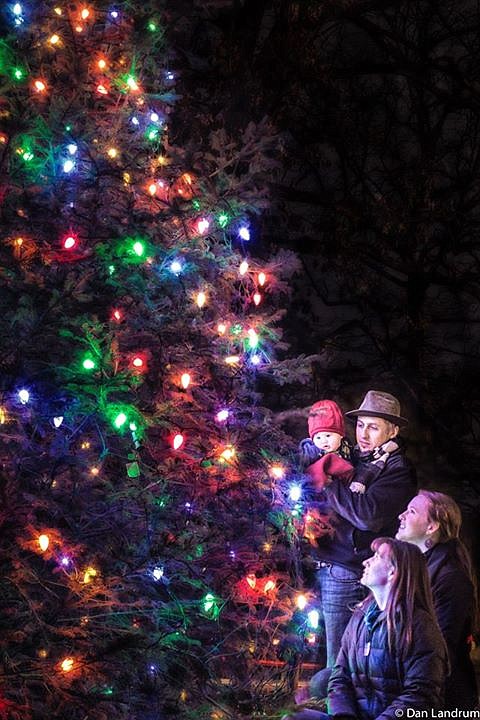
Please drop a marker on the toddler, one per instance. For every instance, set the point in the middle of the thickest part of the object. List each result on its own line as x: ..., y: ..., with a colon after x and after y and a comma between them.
x: 327, y: 451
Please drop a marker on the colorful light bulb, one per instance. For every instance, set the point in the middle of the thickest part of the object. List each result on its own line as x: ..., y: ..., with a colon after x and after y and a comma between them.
x: 313, y: 619
x: 257, y: 298
x: 178, y: 441
x: 57, y: 420
x: 301, y: 601
x: 201, y: 299
x: 202, y: 226
x: 222, y: 415
x: 295, y: 493
x: 120, y: 420
x: 24, y: 396
x: 138, y: 248
x: 67, y: 665
x: 176, y: 267
x: 244, y: 233
x: 261, y: 278
x: 69, y: 242
x: 185, y: 380
x: 44, y: 542
x: 243, y: 267
x: 88, y: 364
x: 221, y: 328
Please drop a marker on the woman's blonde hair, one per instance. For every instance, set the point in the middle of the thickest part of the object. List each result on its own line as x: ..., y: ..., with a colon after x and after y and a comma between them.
x: 443, y: 509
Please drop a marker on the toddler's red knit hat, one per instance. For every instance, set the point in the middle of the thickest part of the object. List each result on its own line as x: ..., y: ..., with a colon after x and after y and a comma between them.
x: 325, y: 416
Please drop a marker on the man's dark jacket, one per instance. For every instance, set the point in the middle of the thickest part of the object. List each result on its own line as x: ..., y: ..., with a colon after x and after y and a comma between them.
x: 361, y: 517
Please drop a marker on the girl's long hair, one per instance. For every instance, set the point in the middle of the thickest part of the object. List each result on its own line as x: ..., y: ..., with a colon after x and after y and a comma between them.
x: 410, y: 591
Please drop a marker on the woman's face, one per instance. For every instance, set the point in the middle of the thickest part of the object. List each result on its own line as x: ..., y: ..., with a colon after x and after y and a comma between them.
x: 414, y: 521
x: 378, y: 569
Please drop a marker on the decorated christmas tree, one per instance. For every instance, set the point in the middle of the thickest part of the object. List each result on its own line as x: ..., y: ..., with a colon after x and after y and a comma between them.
x: 150, y: 563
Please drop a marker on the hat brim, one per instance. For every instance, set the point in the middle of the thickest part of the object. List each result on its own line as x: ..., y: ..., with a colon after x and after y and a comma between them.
x: 395, y: 419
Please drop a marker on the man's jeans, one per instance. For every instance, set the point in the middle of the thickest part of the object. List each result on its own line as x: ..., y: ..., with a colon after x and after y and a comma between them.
x: 338, y: 591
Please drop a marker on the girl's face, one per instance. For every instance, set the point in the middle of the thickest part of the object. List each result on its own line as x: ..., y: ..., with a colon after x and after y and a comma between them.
x: 327, y: 441
x: 378, y: 569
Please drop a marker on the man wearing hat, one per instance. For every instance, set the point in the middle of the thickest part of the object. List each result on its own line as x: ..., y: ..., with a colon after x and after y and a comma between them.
x: 381, y: 467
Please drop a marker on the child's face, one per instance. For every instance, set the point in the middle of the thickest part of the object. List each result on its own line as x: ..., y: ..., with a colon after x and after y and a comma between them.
x: 327, y: 441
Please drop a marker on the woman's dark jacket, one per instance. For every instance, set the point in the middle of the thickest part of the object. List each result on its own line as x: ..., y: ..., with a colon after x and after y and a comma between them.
x: 453, y: 598
x: 368, y: 681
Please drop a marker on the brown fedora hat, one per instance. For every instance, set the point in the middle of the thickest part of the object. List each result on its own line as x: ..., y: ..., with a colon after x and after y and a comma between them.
x: 379, y: 404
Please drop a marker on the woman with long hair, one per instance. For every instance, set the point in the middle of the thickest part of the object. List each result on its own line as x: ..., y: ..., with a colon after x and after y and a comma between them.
x: 392, y: 657
x: 432, y: 522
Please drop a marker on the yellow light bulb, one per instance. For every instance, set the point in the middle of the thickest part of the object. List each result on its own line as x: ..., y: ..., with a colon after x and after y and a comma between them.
x: 201, y: 299
x: 277, y: 472
x: 301, y: 601
x: 94, y: 471
x: 269, y: 585
x: 57, y: 10
x: 126, y: 178
x: 102, y: 64
x: 78, y: 28
x: 221, y: 328
x: 42, y: 653
x: 90, y: 573
x: 228, y: 454
x: 112, y: 152
x: 44, y: 542
x: 257, y: 298
x: 183, y: 695
x: 3, y: 415
x: 40, y: 86
x: 185, y: 380
x: 152, y: 189
x: 85, y: 13
x: 267, y: 547
x: 67, y: 664
x: 232, y: 359
x: 54, y: 39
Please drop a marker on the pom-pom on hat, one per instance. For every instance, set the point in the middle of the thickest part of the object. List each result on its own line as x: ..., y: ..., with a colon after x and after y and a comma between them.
x: 325, y: 416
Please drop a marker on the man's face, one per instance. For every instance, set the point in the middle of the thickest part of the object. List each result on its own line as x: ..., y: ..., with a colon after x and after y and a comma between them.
x: 377, y: 570
x: 327, y: 441
x: 373, y: 432
x: 414, y: 521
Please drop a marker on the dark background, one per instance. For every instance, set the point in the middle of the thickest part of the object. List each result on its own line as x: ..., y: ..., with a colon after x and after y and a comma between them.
x: 363, y: 128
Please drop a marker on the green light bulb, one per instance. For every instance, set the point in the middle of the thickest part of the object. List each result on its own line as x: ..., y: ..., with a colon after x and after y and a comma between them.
x: 152, y: 26
x: 120, y: 420
x: 223, y: 219
x: 138, y: 248
x: 88, y: 364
